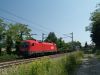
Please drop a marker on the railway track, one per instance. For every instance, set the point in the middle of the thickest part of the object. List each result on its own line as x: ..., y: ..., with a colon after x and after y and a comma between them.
x: 23, y: 61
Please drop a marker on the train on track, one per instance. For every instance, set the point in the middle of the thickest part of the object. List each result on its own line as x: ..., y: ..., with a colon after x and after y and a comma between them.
x: 31, y: 47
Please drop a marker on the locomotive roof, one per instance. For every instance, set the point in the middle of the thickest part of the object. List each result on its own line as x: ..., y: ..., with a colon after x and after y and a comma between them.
x: 31, y: 41
x: 36, y: 41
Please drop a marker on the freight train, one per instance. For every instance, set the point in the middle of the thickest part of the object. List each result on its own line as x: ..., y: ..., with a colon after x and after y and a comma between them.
x: 31, y: 47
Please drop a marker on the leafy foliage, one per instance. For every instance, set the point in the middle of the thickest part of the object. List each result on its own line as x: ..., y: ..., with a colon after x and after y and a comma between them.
x: 6, y: 57
x: 61, y: 45
x: 12, y: 34
x: 2, y: 32
x: 15, y: 32
x: 76, y: 45
x: 51, y: 37
x: 95, y: 27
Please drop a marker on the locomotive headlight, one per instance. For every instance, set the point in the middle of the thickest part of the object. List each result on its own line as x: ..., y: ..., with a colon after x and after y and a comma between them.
x: 52, y: 47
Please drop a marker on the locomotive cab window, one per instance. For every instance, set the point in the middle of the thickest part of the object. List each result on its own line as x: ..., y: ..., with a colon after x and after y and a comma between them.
x: 24, y: 44
x: 32, y: 44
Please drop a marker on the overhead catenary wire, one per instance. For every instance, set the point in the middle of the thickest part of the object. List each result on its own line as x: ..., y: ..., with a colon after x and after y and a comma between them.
x: 4, y: 18
x: 39, y: 26
x: 17, y: 22
x: 8, y: 19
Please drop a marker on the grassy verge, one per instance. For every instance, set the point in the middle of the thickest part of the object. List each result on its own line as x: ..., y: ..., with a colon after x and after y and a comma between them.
x: 46, y: 66
x: 97, y: 54
x: 7, y: 57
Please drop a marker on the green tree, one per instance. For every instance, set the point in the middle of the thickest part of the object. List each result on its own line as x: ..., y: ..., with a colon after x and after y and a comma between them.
x: 76, y: 45
x: 86, y: 46
x: 2, y: 32
x: 94, y: 27
x: 9, y: 40
x: 15, y: 33
x: 61, y: 45
x: 9, y: 44
x: 51, y: 38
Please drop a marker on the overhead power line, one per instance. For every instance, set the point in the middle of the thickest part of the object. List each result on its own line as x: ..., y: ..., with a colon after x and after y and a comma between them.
x: 42, y: 27
x: 8, y: 19
x: 4, y: 18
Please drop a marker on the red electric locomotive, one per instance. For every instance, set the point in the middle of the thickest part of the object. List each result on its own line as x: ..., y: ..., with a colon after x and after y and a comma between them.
x: 29, y: 47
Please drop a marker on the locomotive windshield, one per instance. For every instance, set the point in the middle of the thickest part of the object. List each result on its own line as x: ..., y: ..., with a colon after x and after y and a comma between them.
x: 24, y: 44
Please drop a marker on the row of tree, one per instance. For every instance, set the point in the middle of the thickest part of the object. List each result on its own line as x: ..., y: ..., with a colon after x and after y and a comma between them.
x: 12, y: 34
x: 61, y: 45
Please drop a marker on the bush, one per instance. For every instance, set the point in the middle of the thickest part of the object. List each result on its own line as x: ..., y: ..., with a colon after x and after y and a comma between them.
x: 97, y: 52
x: 72, y: 61
x: 46, y: 66
x: 7, y: 57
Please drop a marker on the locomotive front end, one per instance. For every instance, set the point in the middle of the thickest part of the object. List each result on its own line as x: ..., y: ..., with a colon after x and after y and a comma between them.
x: 24, y: 48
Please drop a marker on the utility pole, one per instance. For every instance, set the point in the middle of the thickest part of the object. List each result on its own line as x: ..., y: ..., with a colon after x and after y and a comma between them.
x: 72, y: 40
x: 32, y: 35
x: 72, y: 37
x: 21, y: 32
x: 43, y: 36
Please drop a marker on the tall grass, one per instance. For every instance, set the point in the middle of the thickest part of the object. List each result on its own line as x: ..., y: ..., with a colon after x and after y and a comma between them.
x: 72, y: 62
x: 7, y: 57
x: 46, y: 66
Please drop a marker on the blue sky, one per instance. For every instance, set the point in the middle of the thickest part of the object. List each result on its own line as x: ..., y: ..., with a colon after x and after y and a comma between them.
x: 59, y: 16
